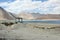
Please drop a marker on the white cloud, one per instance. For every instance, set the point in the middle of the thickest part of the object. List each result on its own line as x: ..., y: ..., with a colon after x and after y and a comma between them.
x: 50, y: 6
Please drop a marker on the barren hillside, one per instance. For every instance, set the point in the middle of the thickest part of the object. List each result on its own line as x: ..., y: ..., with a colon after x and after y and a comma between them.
x: 26, y: 15
x: 38, y: 16
x: 4, y: 15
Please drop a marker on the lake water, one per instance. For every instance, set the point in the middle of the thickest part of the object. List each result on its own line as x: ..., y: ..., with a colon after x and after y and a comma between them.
x: 42, y: 21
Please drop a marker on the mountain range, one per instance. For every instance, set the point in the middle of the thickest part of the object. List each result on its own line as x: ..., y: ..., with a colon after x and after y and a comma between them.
x: 38, y: 16
x: 5, y: 15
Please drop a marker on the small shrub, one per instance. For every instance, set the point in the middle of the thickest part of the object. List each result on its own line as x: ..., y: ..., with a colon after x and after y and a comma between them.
x: 7, y: 24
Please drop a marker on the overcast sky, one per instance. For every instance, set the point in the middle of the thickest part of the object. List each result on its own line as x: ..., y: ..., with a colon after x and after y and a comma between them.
x: 36, y: 6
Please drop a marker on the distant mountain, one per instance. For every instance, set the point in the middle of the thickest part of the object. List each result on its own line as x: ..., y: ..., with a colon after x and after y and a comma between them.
x: 4, y: 15
x: 50, y: 16
x: 25, y: 15
x: 38, y: 16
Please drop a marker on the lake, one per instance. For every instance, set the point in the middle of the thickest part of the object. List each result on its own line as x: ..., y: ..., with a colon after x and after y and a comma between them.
x: 42, y: 21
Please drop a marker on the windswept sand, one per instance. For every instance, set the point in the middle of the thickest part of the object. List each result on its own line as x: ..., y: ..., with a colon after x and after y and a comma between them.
x: 30, y: 31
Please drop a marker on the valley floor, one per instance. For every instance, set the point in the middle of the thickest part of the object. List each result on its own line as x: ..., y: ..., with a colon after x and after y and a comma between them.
x: 30, y: 31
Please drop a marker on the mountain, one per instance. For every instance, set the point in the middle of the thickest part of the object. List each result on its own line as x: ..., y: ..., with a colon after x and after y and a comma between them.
x: 25, y: 15
x: 4, y: 15
x: 38, y: 16
x: 50, y: 16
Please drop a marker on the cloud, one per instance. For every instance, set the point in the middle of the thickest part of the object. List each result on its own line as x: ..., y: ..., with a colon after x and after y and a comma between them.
x: 50, y: 6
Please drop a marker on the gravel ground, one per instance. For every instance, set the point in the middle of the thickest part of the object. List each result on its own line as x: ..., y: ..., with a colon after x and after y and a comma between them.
x: 26, y: 32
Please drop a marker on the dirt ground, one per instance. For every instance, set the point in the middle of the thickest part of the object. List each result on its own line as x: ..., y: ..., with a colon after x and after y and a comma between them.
x: 28, y: 32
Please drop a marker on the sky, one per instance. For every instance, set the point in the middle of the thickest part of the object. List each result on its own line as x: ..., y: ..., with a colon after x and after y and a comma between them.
x: 32, y: 6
